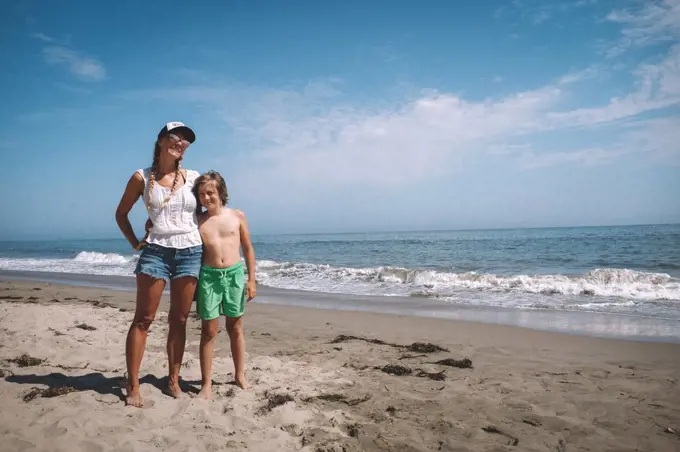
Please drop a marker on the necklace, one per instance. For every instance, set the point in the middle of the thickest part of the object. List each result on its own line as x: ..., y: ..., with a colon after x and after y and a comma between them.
x: 172, y: 190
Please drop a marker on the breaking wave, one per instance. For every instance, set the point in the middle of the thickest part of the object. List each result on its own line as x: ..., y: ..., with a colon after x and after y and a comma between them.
x: 85, y: 262
x: 395, y: 281
x: 605, y: 282
x: 102, y: 258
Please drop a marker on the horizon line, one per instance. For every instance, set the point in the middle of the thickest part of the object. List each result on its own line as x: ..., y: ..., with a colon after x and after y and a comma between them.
x: 403, y: 231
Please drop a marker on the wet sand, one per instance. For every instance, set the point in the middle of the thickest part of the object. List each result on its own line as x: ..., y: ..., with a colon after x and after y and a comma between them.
x: 326, y: 381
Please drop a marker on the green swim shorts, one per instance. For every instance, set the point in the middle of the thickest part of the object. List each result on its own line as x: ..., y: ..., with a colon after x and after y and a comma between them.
x: 221, y: 291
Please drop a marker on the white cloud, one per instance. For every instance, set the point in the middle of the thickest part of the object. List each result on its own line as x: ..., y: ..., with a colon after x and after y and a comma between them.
x: 426, y: 135
x: 657, y: 138
x: 653, y: 22
x: 540, y: 11
x: 43, y: 37
x: 507, y: 149
x: 540, y: 16
x: 83, y: 67
x: 312, y: 136
x: 587, y: 157
x: 579, y: 76
x: 662, y: 80
x: 386, y: 147
x: 658, y: 86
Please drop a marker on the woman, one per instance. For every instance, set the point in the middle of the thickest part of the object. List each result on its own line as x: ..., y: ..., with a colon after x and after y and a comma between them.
x: 171, y: 251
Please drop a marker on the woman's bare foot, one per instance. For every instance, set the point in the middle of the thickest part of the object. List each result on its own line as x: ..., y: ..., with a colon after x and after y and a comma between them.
x: 173, y: 389
x: 133, y: 397
x: 241, y: 382
x: 206, y: 392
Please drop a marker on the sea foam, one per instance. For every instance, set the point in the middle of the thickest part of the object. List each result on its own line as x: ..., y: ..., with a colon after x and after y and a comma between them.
x: 396, y: 281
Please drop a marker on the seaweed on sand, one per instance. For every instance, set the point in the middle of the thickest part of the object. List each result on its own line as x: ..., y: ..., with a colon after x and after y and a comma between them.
x: 425, y: 347
x: 332, y: 397
x: 416, y: 347
x: 512, y: 441
x: 353, y: 429
x: 341, y: 398
x: 464, y: 363
x: 49, y: 392
x: 436, y: 376
x: 274, y: 400
x: 345, y: 338
x: 26, y: 361
x: 395, y: 370
x: 100, y: 304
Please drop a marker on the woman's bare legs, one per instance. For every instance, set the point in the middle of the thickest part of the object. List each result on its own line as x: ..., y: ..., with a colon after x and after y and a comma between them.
x: 149, y: 291
x: 181, y: 298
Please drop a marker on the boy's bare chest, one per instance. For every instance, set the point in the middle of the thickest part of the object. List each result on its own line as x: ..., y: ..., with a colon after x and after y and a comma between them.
x: 221, y: 229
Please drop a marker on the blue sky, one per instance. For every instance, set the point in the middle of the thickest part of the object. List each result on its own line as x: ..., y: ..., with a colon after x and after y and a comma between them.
x: 346, y: 116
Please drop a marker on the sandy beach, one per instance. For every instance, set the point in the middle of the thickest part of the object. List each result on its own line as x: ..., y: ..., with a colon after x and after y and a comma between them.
x: 326, y: 381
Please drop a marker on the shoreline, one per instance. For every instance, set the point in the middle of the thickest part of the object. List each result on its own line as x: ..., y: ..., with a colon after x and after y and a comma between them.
x: 325, y: 381
x: 580, y: 323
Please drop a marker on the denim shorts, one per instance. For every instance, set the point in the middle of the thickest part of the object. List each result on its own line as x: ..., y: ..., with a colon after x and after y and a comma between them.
x: 169, y: 263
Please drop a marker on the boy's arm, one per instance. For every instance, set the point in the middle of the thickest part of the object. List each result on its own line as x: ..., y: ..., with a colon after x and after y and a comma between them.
x: 200, y: 217
x: 248, y: 254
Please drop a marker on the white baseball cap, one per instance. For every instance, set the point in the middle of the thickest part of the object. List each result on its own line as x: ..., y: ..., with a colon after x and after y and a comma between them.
x: 176, y: 125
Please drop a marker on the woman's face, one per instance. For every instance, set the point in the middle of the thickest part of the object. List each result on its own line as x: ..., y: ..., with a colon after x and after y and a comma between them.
x: 175, y: 144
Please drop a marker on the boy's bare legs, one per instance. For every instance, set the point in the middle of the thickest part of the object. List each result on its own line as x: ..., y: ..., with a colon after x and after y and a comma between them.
x: 181, y: 298
x: 149, y: 291
x: 208, y: 338
x: 238, y: 350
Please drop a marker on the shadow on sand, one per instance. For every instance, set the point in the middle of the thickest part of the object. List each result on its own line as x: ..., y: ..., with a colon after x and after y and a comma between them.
x: 96, y: 382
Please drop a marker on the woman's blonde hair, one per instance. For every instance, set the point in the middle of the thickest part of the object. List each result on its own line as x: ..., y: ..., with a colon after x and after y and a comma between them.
x: 152, y: 176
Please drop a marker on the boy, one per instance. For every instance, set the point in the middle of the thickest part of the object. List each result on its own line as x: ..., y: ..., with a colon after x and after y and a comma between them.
x: 222, y: 288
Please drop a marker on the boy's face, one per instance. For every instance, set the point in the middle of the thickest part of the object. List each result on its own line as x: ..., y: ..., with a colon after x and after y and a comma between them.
x: 209, y: 196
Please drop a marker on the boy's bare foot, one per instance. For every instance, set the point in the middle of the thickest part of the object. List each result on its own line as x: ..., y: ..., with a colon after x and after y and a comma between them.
x: 241, y: 382
x: 133, y: 397
x: 173, y: 389
x: 206, y: 392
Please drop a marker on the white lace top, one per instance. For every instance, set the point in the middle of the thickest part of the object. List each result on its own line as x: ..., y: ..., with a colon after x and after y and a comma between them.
x: 176, y: 225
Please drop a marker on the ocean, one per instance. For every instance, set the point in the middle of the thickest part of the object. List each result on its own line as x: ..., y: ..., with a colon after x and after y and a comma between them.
x: 624, y: 270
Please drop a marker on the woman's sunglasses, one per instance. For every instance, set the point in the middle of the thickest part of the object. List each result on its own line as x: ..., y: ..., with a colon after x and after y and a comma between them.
x: 175, y: 141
